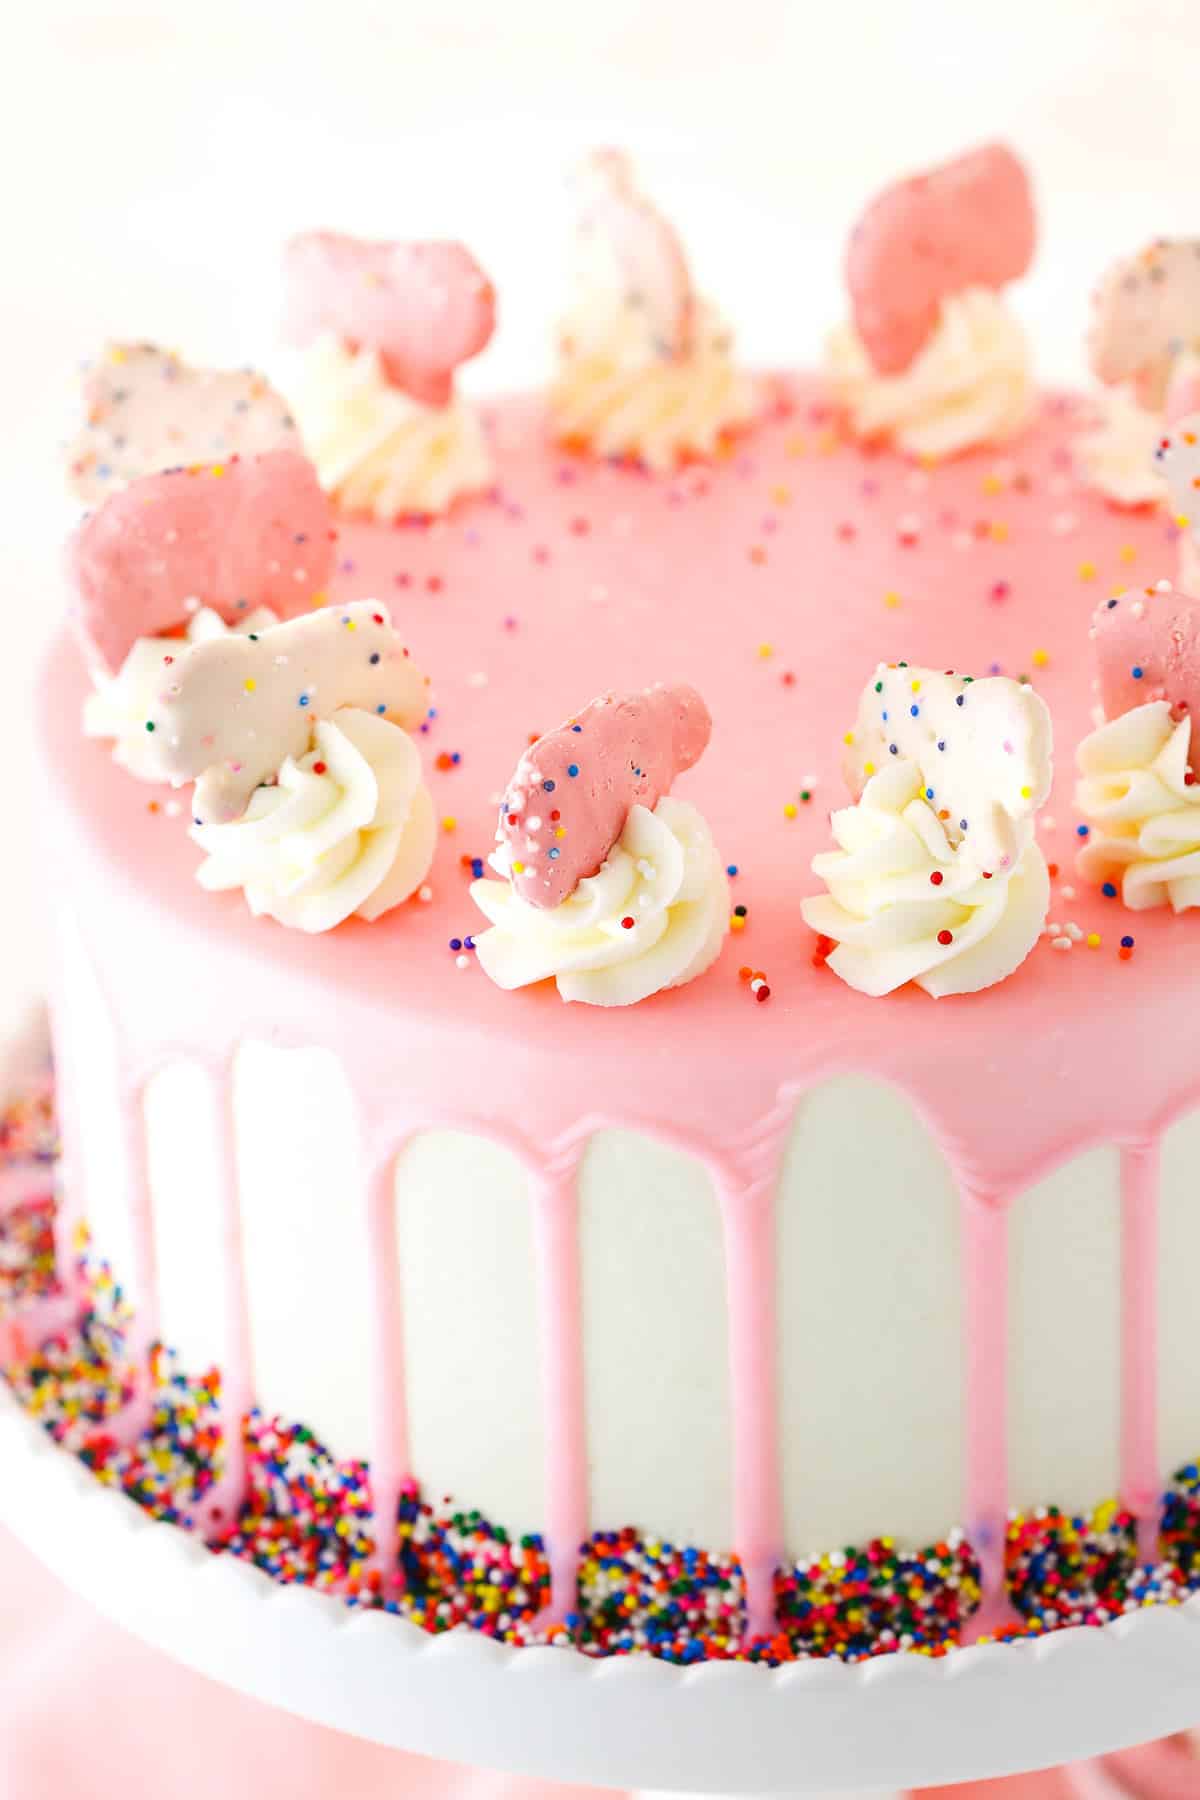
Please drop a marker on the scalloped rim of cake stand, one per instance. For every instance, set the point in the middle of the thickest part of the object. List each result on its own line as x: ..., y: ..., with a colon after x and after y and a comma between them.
x: 896, y: 1721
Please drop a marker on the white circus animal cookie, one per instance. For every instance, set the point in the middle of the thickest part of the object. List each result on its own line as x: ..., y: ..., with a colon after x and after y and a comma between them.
x: 145, y: 410
x: 239, y: 707
x: 937, y: 878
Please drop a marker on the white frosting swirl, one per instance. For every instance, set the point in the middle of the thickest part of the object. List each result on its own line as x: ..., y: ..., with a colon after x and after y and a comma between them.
x: 118, y: 707
x: 653, y: 916
x: 377, y: 450
x: 1144, y: 813
x: 1116, y: 456
x: 885, y: 910
x: 620, y: 393
x: 971, y: 384
x: 348, y: 828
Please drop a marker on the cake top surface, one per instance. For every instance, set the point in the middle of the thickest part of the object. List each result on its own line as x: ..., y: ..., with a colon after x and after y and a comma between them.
x: 772, y: 582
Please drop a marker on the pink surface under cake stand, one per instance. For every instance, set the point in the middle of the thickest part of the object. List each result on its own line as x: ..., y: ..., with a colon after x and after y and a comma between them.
x: 898, y: 1721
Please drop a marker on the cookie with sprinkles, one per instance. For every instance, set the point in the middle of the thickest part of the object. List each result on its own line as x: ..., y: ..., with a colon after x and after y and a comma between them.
x: 145, y: 410
x: 937, y: 878
x: 571, y: 792
x: 612, y: 887
x: 422, y: 308
x: 968, y: 224
x: 1138, y: 791
x: 235, y: 708
x: 231, y: 536
x: 1145, y: 324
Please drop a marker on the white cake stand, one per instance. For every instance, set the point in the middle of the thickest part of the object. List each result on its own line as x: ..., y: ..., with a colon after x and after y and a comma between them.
x: 899, y: 1721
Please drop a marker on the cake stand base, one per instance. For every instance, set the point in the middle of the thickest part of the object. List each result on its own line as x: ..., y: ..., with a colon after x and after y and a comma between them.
x: 626, y: 1722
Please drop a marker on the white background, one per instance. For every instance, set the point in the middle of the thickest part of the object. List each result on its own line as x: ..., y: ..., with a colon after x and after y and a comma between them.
x: 153, y: 157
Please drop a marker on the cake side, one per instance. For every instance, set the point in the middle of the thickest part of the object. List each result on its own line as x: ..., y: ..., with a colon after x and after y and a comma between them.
x: 625, y: 1146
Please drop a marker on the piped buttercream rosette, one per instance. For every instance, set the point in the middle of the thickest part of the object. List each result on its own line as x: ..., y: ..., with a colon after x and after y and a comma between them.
x: 610, y: 886
x: 381, y: 329
x: 937, y: 878
x: 1138, y: 787
x: 646, y: 368
x: 931, y: 359
x: 308, y: 789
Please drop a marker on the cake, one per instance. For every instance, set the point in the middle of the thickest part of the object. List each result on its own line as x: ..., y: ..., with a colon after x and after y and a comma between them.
x: 735, y: 1301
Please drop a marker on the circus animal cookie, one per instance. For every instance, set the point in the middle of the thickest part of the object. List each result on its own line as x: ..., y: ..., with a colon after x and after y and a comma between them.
x: 118, y: 707
x: 230, y: 536
x: 1137, y: 788
x: 937, y: 878
x: 612, y: 887
x: 382, y: 328
x: 1143, y: 344
x: 239, y: 707
x: 646, y: 368
x: 932, y: 360
x: 145, y: 411
x: 1177, y: 461
x: 1145, y: 327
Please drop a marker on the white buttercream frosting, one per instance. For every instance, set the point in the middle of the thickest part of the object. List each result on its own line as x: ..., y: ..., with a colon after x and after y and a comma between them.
x: 622, y: 393
x: 971, y: 384
x: 1116, y: 456
x: 347, y: 828
x: 377, y: 450
x: 1144, y: 813
x: 898, y: 879
x: 653, y: 916
x: 118, y: 707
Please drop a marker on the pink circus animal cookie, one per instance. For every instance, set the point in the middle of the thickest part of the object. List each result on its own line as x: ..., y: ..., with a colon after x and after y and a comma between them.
x: 233, y: 709
x: 423, y: 308
x: 645, y: 248
x: 969, y: 223
x: 231, y: 536
x: 571, y: 793
x: 1145, y: 315
x: 145, y: 410
x: 1148, y: 648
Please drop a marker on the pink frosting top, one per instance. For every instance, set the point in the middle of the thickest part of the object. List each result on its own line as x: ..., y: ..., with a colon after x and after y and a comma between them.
x: 1148, y: 648
x: 256, y: 531
x: 969, y: 223
x: 570, y: 795
x: 423, y: 308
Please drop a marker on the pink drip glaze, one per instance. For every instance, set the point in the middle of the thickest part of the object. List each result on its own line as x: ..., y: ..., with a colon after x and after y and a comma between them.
x: 556, y: 1226
x: 385, y: 995
x: 985, y: 1276
x: 1141, y: 1475
x: 225, y: 1499
x: 389, y: 1412
x: 748, y: 1214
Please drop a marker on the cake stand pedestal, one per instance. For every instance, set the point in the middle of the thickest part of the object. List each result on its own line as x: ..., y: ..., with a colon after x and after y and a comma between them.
x: 626, y: 1722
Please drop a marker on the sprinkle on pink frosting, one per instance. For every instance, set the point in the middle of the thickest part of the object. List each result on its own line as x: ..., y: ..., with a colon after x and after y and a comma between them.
x: 1148, y: 648
x: 423, y: 308
x: 255, y: 531
x: 969, y: 223
x: 646, y: 246
x: 570, y: 795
